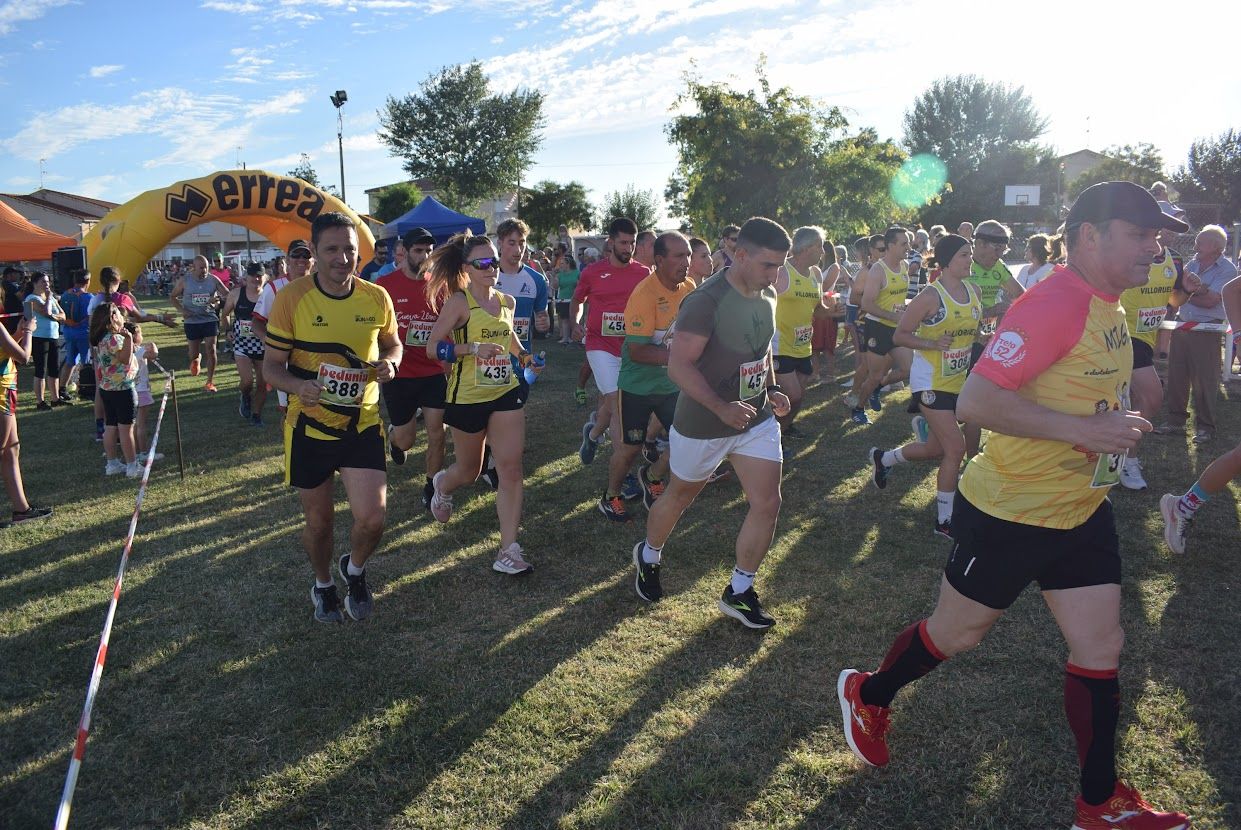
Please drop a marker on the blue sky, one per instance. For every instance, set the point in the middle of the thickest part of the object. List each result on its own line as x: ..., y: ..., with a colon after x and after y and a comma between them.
x: 126, y: 96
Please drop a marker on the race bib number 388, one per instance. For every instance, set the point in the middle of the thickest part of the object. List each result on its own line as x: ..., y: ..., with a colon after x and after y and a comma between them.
x: 342, y: 386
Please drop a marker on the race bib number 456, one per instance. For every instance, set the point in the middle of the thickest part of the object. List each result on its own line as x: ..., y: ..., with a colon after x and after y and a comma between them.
x: 753, y: 377
x: 613, y: 324
x: 342, y: 385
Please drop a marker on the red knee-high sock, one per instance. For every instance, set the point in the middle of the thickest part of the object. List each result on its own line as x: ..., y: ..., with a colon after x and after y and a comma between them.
x: 1092, y: 704
x: 912, y: 655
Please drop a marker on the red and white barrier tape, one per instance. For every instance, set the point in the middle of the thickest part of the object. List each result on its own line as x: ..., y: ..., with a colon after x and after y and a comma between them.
x: 1176, y: 325
x: 79, y: 747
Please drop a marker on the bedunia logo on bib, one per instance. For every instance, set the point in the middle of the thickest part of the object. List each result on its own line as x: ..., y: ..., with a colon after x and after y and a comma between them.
x: 1008, y: 348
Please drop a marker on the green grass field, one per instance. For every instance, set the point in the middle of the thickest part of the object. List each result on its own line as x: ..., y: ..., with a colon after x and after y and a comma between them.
x: 475, y: 700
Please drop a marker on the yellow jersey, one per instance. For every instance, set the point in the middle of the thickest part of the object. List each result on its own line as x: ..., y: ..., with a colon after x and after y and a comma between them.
x: 331, y: 340
x: 944, y: 370
x: 476, y: 379
x: 1146, y: 305
x: 893, y: 294
x: 1066, y: 347
x: 795, y: 314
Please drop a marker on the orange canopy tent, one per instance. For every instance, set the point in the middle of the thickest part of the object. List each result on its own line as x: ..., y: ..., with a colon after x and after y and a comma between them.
x: 20, y: 240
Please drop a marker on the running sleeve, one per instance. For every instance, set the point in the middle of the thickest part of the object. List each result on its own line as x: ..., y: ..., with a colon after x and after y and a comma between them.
x: 1039, y: 329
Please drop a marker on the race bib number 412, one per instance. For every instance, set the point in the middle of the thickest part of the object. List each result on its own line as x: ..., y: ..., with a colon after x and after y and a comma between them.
x: 418, y: 333
x: 342, y: 385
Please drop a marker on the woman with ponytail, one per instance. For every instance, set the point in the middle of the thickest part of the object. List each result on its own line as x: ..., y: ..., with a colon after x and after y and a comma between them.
x: 474, y: 337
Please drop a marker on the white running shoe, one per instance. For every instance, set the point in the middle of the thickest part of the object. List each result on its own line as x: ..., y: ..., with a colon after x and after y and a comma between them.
x: 511, y: 561
x: 1131, y: 475
x: 851, y: 401
x: 133, y: 470
x: 114, y: 467
x: 1175, y: 526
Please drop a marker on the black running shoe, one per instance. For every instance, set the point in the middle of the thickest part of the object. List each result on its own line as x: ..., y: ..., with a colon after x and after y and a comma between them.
x: 650, y: 452
x: 613, y: 508
x: 651, y: 490
x: 745, y: 607
x: 358, y: 600
x: 327, y: 604
x: 630, y: 489
x: 880, y: 474
x: 492, y: 477
x: 428, y: 490
x: 646, y: 581
x: 944, y: 529
x: 31, y: 513
x: 394, y: 452
x: 243, y: 406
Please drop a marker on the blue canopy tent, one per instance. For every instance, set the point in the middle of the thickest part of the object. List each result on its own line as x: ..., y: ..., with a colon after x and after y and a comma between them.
x: 441, y: 221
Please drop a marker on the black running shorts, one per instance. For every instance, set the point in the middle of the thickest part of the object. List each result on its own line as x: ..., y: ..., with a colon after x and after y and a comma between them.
x: 308, y: 462
x: 879, y: 338
x: 404, y: 396
x: 636, y: 411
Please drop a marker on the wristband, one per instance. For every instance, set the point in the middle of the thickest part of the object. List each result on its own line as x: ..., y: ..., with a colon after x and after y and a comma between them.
x: 446, y: 350
x: 775, y: 387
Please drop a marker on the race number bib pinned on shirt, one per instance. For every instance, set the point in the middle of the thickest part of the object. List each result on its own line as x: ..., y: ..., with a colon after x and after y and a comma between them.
x: 802, y: 335
x: 521, y: 328
x: 200, y: 300
x: 1150, y: 318
x: 418, y: 333
x: 245, y: 328
x: 954, y: 361
x: 613, y: 324
x: 493, y: 371
x: 753, y: 378
x: 1107, y: 470
x: 342, y: 386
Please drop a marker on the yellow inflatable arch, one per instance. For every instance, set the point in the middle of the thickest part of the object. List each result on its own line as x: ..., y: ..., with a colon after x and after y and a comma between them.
x: 279, y: 208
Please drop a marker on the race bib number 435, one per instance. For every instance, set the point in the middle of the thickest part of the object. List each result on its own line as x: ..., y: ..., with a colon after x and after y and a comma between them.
x: 493, y: 371
x: 613, y: 324
x: 753, y: 378
x: 342, y: 385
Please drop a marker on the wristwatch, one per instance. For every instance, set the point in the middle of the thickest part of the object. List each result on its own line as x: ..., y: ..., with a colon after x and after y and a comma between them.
x: 775, y: 387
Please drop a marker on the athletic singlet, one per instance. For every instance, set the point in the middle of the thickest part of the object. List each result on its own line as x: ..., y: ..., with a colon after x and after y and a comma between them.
x: 1065, y: 347
x: 795, y: 315
x: 1146, y: 305
x: 196, y: 298
x: 243, y: 314
x: 8, y: 370
x: 945, y: 370
x: 892, y: 295
x: 327, y: 339
x: 478, y: 380
x: 990, y: 285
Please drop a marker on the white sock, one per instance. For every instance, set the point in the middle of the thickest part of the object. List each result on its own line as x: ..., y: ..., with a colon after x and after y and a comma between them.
x: 327, y: 584
x: 354, y: 570
x: 893, y: 457
x: 650, y: 555
x: 943, y: 504
x: 742, y: 581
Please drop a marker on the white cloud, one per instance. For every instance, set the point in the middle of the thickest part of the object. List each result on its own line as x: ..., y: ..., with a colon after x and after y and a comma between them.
x: 244, y: 7
x: 105, y: 70
x: 280, y: 105
x: 13, y: 12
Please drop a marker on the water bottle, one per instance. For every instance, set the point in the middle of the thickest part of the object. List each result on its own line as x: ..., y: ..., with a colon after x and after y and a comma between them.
x: 539, y: 360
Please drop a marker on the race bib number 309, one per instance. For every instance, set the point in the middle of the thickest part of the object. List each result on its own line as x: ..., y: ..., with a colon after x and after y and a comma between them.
x: 342, y: 386
x: 954, y: 361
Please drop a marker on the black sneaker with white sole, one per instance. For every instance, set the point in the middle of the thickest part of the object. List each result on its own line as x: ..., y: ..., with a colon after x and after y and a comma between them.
x: 327, y: 604
x: 745, y: 607
x: 646, y: 578
x: 880, y: 474
x: 358, y: 600
x: 394, y: 452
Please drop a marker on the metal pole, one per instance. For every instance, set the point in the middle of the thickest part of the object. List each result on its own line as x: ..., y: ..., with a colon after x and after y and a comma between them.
x: 249, y: 250
x: 340, y: 144
x: 176, y: 415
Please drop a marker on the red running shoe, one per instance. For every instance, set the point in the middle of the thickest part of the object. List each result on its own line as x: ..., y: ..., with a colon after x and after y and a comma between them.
x: 866, y: 727
x: 194, y: 366
x: 1126, y: 810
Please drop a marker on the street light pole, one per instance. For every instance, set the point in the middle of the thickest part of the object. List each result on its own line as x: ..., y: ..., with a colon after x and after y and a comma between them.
x: 338, y: 100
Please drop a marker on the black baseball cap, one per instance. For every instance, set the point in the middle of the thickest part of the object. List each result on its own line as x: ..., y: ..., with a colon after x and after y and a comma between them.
x: 417, y: 236
x: 298, y: 244
x: 255, y: 268
x: 1121, y: 200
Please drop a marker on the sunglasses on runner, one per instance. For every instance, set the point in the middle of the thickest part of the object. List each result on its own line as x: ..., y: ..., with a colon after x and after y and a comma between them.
x: 299, y: 256
x: 485, y: 264
x: 991, y: 240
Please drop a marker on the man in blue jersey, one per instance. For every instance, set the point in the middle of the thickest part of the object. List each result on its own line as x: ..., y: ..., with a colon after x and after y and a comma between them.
x: 522, y: 282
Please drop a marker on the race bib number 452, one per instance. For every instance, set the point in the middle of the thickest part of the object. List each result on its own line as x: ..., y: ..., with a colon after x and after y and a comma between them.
x: 802, y: 335
x: 342, y: 385
x: 753, y: 376
x: 613, y: 324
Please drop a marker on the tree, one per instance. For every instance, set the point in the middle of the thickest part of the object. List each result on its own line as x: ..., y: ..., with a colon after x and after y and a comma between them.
x: 641, y: 206
x: 1212, y: 175
x: 548, y: 205
x: 397, y: 200
x: 765, y: 152
x: 1141, y: 164
x: 986, y: 135
x: 306, y: 172
x: 472, y: 143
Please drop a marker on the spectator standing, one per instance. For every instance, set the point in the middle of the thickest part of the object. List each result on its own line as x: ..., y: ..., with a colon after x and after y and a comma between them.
x: 13, y: 279
x: 1042, y: 252
x: 1194, y: 359
x: 75, y: 303
x: 144, y: 353
x: 44, y: 312
x: 116, y: 371
x: 14, y: 350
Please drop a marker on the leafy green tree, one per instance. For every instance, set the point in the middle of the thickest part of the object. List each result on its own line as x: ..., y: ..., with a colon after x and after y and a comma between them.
x: 1141, y: 164
x: 454, y: 130
x: 1212, y: 175
x: 306, y: 172
x: 986, y: 134
x: 397, y: 200
x: 770, y: 152
x: 639, y: 205
x: 548, y: 205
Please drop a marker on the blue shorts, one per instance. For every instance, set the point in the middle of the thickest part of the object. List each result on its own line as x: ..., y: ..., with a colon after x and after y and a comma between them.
x: 201, y: 331
x: 76, y: 351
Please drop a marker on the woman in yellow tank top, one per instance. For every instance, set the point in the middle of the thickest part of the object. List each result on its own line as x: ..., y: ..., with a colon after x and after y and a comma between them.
x: 940, y: 324
x: 474, y: 337
x: 883, y: 302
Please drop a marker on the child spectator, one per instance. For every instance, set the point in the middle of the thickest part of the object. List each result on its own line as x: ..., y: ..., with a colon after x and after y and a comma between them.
x: 144, y: 353
x: 115, y: 369
x: 12, y: 351
x: 46, y: 315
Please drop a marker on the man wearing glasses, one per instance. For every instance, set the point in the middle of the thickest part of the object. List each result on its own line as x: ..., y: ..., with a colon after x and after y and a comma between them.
x: 998, y: 288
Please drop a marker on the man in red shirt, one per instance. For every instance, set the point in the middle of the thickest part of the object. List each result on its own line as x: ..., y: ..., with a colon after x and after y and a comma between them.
x: 419, y: 380
x: 607, y: 285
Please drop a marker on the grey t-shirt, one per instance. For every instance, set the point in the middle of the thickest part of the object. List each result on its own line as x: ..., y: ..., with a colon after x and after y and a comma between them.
x: 197, y: 298
x: 1214, y: 277
x: 736, y: 361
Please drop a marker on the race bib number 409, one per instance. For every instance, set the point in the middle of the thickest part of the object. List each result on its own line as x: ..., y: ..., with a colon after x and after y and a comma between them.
x: 753, y: 376
x: 1150, y: 318
x: 342, y: 385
